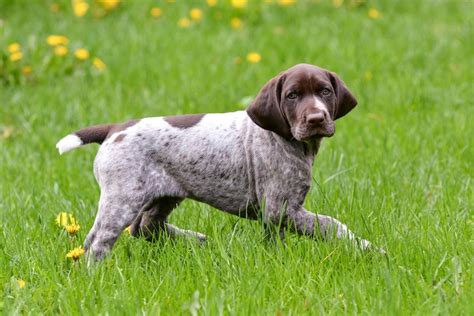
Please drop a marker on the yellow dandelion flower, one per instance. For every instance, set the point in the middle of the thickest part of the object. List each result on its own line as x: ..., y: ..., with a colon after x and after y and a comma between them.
x: 374, y: 14
x: 7, y: 132
x: 60, y: 51
x: 212, y: 3
x: 128, y: 230
x: 21, y: 283
x: 109, y: 4
x: 337, y: 3
x: 72, y: 229
x: 98, y: 64
x: 72, y: 219
x: 26, y: 70
x: 184, y: 22
x: 195, y: 14
x: 75, y: 254
x: 236, y: 23
x: 81, y: 53
x: 156, y: 12
x: 14, y: 48
x: 368, y: 75
x: 63, y: 219
x: 239, y: 4
x: 80, y: 8
x: 55, y: 40
x: 16, y: 56
x: 286, y: 2
x: 254, y: 57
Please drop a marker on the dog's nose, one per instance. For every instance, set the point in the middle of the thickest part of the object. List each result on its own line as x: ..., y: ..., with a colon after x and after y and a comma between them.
x: 315, y: 118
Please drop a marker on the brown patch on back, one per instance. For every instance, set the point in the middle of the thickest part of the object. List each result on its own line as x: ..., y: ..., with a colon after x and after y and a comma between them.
x: 119, y: 138
x: 184, y: 121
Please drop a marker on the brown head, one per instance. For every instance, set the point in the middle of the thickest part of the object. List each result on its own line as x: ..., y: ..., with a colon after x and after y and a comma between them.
x: 302, y: 103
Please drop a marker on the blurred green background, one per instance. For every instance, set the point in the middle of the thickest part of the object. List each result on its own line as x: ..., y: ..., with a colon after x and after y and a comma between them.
x: 398, y: 171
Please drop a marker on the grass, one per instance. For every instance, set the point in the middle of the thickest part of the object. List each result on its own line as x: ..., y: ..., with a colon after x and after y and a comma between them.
x: 398, y: 171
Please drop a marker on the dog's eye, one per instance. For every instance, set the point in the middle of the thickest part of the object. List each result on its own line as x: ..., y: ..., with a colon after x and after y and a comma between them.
x: 292, y: 95
x: 326, y: 92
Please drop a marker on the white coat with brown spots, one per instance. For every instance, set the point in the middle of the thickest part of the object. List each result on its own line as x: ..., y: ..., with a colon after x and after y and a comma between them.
x: 254, y: 164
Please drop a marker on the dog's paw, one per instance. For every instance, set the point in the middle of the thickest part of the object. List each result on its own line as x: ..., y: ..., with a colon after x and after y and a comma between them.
x: 201, y: 238
x: 366, y: 245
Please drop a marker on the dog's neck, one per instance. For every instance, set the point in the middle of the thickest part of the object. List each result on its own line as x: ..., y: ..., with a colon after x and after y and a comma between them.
x: 306, y: 150
x: 311, y: 147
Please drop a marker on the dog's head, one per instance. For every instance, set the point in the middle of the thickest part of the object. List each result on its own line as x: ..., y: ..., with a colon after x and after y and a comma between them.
x: 302, y: 103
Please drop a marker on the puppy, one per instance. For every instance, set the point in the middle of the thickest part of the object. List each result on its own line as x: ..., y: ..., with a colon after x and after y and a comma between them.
x: 254, y: 164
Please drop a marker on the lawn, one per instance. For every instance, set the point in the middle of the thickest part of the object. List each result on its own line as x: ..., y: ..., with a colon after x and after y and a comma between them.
x: 399, y: 170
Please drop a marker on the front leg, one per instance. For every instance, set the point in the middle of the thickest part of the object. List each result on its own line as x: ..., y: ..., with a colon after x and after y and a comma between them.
x: 327, y: 227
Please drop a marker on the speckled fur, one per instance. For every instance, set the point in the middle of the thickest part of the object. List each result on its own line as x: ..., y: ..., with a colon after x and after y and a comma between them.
x: 254, y: 164
x: 225, y: 160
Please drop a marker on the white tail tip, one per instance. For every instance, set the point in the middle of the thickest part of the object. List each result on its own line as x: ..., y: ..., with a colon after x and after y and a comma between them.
x: 68, y: 143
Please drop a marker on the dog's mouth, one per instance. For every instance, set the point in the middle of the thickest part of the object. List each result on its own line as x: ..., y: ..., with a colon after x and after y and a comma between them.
x: 304, y: 132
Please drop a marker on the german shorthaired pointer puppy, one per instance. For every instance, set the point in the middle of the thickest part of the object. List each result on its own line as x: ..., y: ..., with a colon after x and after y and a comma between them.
x: 254, y: 164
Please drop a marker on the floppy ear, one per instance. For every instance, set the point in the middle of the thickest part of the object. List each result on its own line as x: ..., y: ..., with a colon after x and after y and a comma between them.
x: 265, y: 110
x: 345, y: 101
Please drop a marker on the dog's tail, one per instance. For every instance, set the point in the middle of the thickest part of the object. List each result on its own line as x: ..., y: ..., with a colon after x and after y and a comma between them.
x: 94, y: 134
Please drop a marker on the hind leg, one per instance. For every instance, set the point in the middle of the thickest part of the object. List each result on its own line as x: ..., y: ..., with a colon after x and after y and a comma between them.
x: 151, y: 223
x: 115, y: 213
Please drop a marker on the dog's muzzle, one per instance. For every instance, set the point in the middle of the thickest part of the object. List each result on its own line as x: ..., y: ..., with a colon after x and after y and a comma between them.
x: 316, y: 124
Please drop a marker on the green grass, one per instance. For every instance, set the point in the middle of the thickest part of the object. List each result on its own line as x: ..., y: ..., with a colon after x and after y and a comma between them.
x: 398, y: 171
